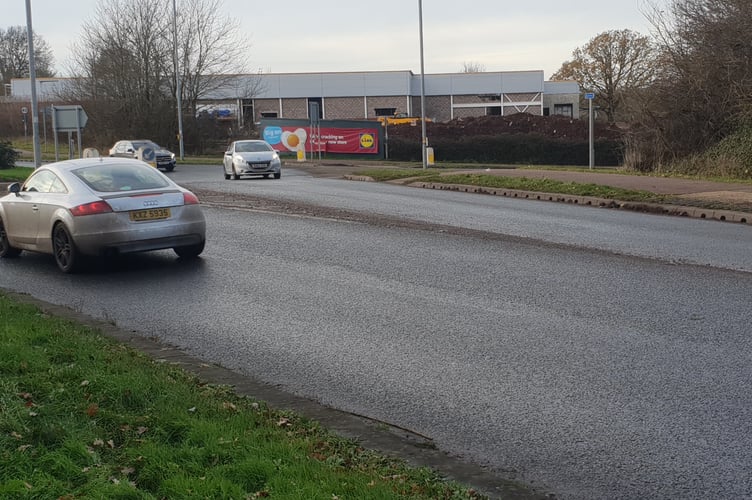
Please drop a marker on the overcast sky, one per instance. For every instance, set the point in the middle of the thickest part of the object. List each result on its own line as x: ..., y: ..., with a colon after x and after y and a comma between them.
x: 325, y: 35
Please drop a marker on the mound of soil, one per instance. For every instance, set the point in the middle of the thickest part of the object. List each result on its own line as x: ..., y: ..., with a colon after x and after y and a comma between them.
x: 521, y: 123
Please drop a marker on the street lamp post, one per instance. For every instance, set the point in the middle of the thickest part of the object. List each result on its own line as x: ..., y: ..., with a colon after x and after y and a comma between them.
x: 178, y: 91
x: 424, y: 139
x: 33, y: 80
x: 591, y: 125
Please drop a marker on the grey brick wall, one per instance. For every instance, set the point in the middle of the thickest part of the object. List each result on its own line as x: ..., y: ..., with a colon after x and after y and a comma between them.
x: 264, y: 106
x: 343, y: 108
x: 399, y: 103
x: 438, y: 108
x: 295, y: 109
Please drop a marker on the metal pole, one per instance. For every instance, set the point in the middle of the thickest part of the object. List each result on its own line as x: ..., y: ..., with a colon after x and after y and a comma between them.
x: 424, y: 139
x: 33, y: 78
x: 54, y: 132
x: 178, y: 91
x: 44, y: 114
x: 44, y: 126
x: 78, y: 130
x: 590, y: 133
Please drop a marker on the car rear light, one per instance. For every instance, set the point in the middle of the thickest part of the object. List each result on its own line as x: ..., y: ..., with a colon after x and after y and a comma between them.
x: 190, y: 199
x: 95, y: 207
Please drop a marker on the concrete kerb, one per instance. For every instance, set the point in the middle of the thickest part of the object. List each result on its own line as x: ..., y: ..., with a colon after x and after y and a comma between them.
x: 590, y: 201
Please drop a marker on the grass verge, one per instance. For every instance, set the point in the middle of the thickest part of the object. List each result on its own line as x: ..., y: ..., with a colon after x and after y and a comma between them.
x: 519, y: 183
x: 547, y: 186
x: 15, y: 174
x: 82, y: 416
x: 392, y: 174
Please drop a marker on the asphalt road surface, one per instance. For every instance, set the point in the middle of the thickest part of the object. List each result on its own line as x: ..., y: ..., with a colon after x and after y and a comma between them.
x: 589, y: 352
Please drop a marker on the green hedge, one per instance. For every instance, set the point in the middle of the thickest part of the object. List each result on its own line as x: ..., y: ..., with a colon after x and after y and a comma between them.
x: 510, y: 149
x: 8, y: 155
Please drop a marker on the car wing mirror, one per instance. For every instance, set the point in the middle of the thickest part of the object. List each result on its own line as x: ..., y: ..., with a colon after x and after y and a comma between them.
x: 15, y: 188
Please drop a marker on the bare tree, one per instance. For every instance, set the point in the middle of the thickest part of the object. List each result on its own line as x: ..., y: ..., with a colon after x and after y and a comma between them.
x: 472, y: 67
x: 125, y: 64
x: 611, y: 65
x: 211, y: 49
x: 705, y: 87
x: 122, y: 63
x: 14, y: 54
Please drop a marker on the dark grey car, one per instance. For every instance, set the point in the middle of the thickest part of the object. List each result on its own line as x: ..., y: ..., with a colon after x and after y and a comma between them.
x: 145, y: 150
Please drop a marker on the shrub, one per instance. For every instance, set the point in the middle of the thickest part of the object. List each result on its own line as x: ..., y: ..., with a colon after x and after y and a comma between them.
x: 8, y: 155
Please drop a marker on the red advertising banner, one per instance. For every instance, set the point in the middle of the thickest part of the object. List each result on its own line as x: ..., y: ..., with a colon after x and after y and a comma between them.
x: 333, y: 140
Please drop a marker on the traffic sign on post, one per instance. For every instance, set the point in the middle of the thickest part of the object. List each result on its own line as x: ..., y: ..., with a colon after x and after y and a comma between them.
x: 68, y: 118
x: 590, y: 96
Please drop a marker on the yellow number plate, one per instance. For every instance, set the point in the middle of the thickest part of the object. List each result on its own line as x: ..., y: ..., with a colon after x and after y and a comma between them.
x: 150, y: 214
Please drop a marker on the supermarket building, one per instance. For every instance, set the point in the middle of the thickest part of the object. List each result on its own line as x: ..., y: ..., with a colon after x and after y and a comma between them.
x: 367, y: 95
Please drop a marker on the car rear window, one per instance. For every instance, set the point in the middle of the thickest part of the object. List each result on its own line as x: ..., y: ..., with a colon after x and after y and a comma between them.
x: 131, y: 176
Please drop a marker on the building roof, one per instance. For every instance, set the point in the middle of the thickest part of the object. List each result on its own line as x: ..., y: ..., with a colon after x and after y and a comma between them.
x: 349, y: 84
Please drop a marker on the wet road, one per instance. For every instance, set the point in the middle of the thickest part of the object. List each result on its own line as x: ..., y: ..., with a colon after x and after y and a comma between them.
x: 573, y: 348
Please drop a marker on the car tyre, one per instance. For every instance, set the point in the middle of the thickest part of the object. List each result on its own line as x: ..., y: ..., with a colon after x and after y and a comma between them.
x: 170, y: 168
x: 67, y: 256
x: 6, y: 250
x: 227, y: 176
x: 235, y: 174
x: 190, y: 251
x: 277, y: 175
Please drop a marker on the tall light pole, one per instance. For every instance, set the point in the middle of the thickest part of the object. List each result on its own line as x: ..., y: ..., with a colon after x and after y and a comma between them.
x: 178, y: 91
x: 591, y: 125
x: 33, y: 80
x: 423, y: 138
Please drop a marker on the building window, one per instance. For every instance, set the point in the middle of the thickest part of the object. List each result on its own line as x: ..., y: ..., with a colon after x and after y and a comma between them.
x: 563, y: 110
x: 385, y: 111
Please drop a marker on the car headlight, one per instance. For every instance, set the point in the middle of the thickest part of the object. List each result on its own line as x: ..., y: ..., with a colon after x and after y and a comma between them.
x: 172, y: 155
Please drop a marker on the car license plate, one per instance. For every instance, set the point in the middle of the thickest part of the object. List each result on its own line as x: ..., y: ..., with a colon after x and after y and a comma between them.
x: 150, y: 214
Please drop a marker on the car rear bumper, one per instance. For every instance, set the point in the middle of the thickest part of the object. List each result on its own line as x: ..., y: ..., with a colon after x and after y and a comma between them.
x: 187, y: 228
x: 149, y: 245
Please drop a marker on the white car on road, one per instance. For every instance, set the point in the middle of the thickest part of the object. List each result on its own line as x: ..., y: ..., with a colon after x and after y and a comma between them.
x: 251, y: 157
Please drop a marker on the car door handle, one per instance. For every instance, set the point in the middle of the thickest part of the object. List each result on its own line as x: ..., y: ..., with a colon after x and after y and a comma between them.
x: 35, y: 208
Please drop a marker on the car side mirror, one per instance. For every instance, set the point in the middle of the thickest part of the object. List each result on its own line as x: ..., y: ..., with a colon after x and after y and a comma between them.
x: 15, y: 188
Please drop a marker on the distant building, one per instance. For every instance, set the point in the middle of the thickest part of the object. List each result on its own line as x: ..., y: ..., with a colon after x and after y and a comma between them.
x: 367, y: 95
